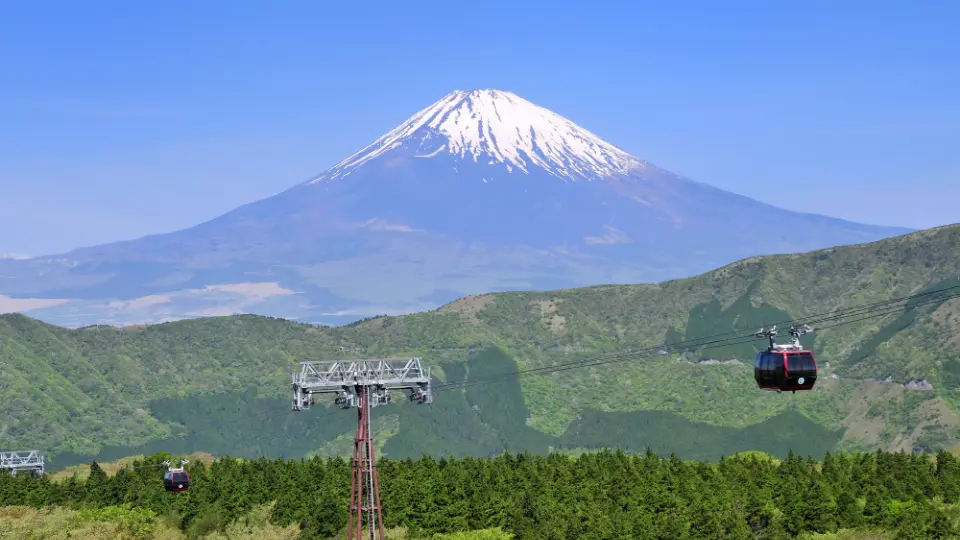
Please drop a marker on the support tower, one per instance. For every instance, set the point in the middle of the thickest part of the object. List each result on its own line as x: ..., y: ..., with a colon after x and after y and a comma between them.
x: 363, y: 384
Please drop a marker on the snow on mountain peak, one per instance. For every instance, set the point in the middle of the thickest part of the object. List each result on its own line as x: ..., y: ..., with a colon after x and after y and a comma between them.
x: 499, y: 127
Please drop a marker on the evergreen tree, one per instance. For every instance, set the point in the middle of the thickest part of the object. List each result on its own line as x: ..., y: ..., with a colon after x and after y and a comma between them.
x: 819, y: 509
x: 948, y: 476
x: 850, y: 514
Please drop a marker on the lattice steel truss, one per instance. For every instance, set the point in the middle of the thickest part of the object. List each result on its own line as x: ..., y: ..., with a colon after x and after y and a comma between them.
x: 363, y: 384
x: 343, y: 378
x: 29, y: 460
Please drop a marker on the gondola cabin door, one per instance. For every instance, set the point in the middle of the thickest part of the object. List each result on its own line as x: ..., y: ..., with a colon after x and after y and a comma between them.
x: 769, y: 369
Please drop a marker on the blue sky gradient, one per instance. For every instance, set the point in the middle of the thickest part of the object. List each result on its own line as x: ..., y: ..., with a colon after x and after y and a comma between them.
x: 128, y: 118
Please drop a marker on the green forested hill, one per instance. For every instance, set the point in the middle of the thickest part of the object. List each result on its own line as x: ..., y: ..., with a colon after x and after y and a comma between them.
x: 222, y: 384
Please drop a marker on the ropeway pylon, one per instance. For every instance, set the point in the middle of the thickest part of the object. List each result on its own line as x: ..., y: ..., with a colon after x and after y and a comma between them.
x: 363, y: 384
x: 364, y: 484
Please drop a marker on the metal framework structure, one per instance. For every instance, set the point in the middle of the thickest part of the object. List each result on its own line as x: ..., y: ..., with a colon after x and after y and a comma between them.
x: 363, y: 384
x: 29, y: 460
x: 173, y: 469
x: 795, y: 333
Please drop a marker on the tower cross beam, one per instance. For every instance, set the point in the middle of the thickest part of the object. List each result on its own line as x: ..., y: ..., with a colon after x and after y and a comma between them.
x: 345, y: 377
x: 29, y: 460
x: 402, y: 372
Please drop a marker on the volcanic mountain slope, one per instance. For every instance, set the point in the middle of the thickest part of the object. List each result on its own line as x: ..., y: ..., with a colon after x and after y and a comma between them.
x: 889, y: 379
x: 481, y: 191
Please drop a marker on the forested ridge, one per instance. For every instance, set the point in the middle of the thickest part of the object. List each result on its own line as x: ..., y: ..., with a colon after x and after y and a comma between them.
x: 605, y: 495
x: 81, y: 391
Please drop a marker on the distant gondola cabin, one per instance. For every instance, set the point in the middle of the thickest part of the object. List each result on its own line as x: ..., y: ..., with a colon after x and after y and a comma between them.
x: 785, y: 370
x: 176, y: 481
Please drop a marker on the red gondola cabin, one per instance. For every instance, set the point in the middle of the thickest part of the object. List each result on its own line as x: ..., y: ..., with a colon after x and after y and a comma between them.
x: 176, y: 481
x: 785, y: 367
x: 786, y: 370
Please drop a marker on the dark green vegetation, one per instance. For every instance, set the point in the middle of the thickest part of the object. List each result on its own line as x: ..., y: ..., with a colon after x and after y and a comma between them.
x: 186, y: 385
x: 667, y: 433
x: 603, y: 496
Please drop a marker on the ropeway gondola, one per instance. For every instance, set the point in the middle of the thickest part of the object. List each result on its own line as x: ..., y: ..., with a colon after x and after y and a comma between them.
x: 785, y: 367
x: 176, y: 479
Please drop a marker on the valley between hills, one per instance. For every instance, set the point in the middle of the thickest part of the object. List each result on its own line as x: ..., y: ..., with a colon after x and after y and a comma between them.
x: 222, y: 384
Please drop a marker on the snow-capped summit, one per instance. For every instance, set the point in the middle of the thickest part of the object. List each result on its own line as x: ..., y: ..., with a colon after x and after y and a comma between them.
x: 497, y: 127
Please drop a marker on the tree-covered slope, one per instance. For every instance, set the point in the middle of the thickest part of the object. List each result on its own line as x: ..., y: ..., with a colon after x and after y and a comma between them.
x: 85, y: 389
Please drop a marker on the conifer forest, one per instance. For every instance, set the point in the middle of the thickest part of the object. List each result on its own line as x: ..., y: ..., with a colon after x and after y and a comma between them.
x: 594, y: 496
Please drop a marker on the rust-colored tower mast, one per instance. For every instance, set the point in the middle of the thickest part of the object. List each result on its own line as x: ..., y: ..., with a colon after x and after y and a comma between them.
x: 363, y: 384
x: 364, y: 484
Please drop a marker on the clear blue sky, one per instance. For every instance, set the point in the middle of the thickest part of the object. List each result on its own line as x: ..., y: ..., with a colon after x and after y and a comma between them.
x: 121, y: 118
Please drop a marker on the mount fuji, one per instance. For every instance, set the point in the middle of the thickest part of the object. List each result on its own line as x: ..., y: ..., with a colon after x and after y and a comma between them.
x: 481, y: 191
